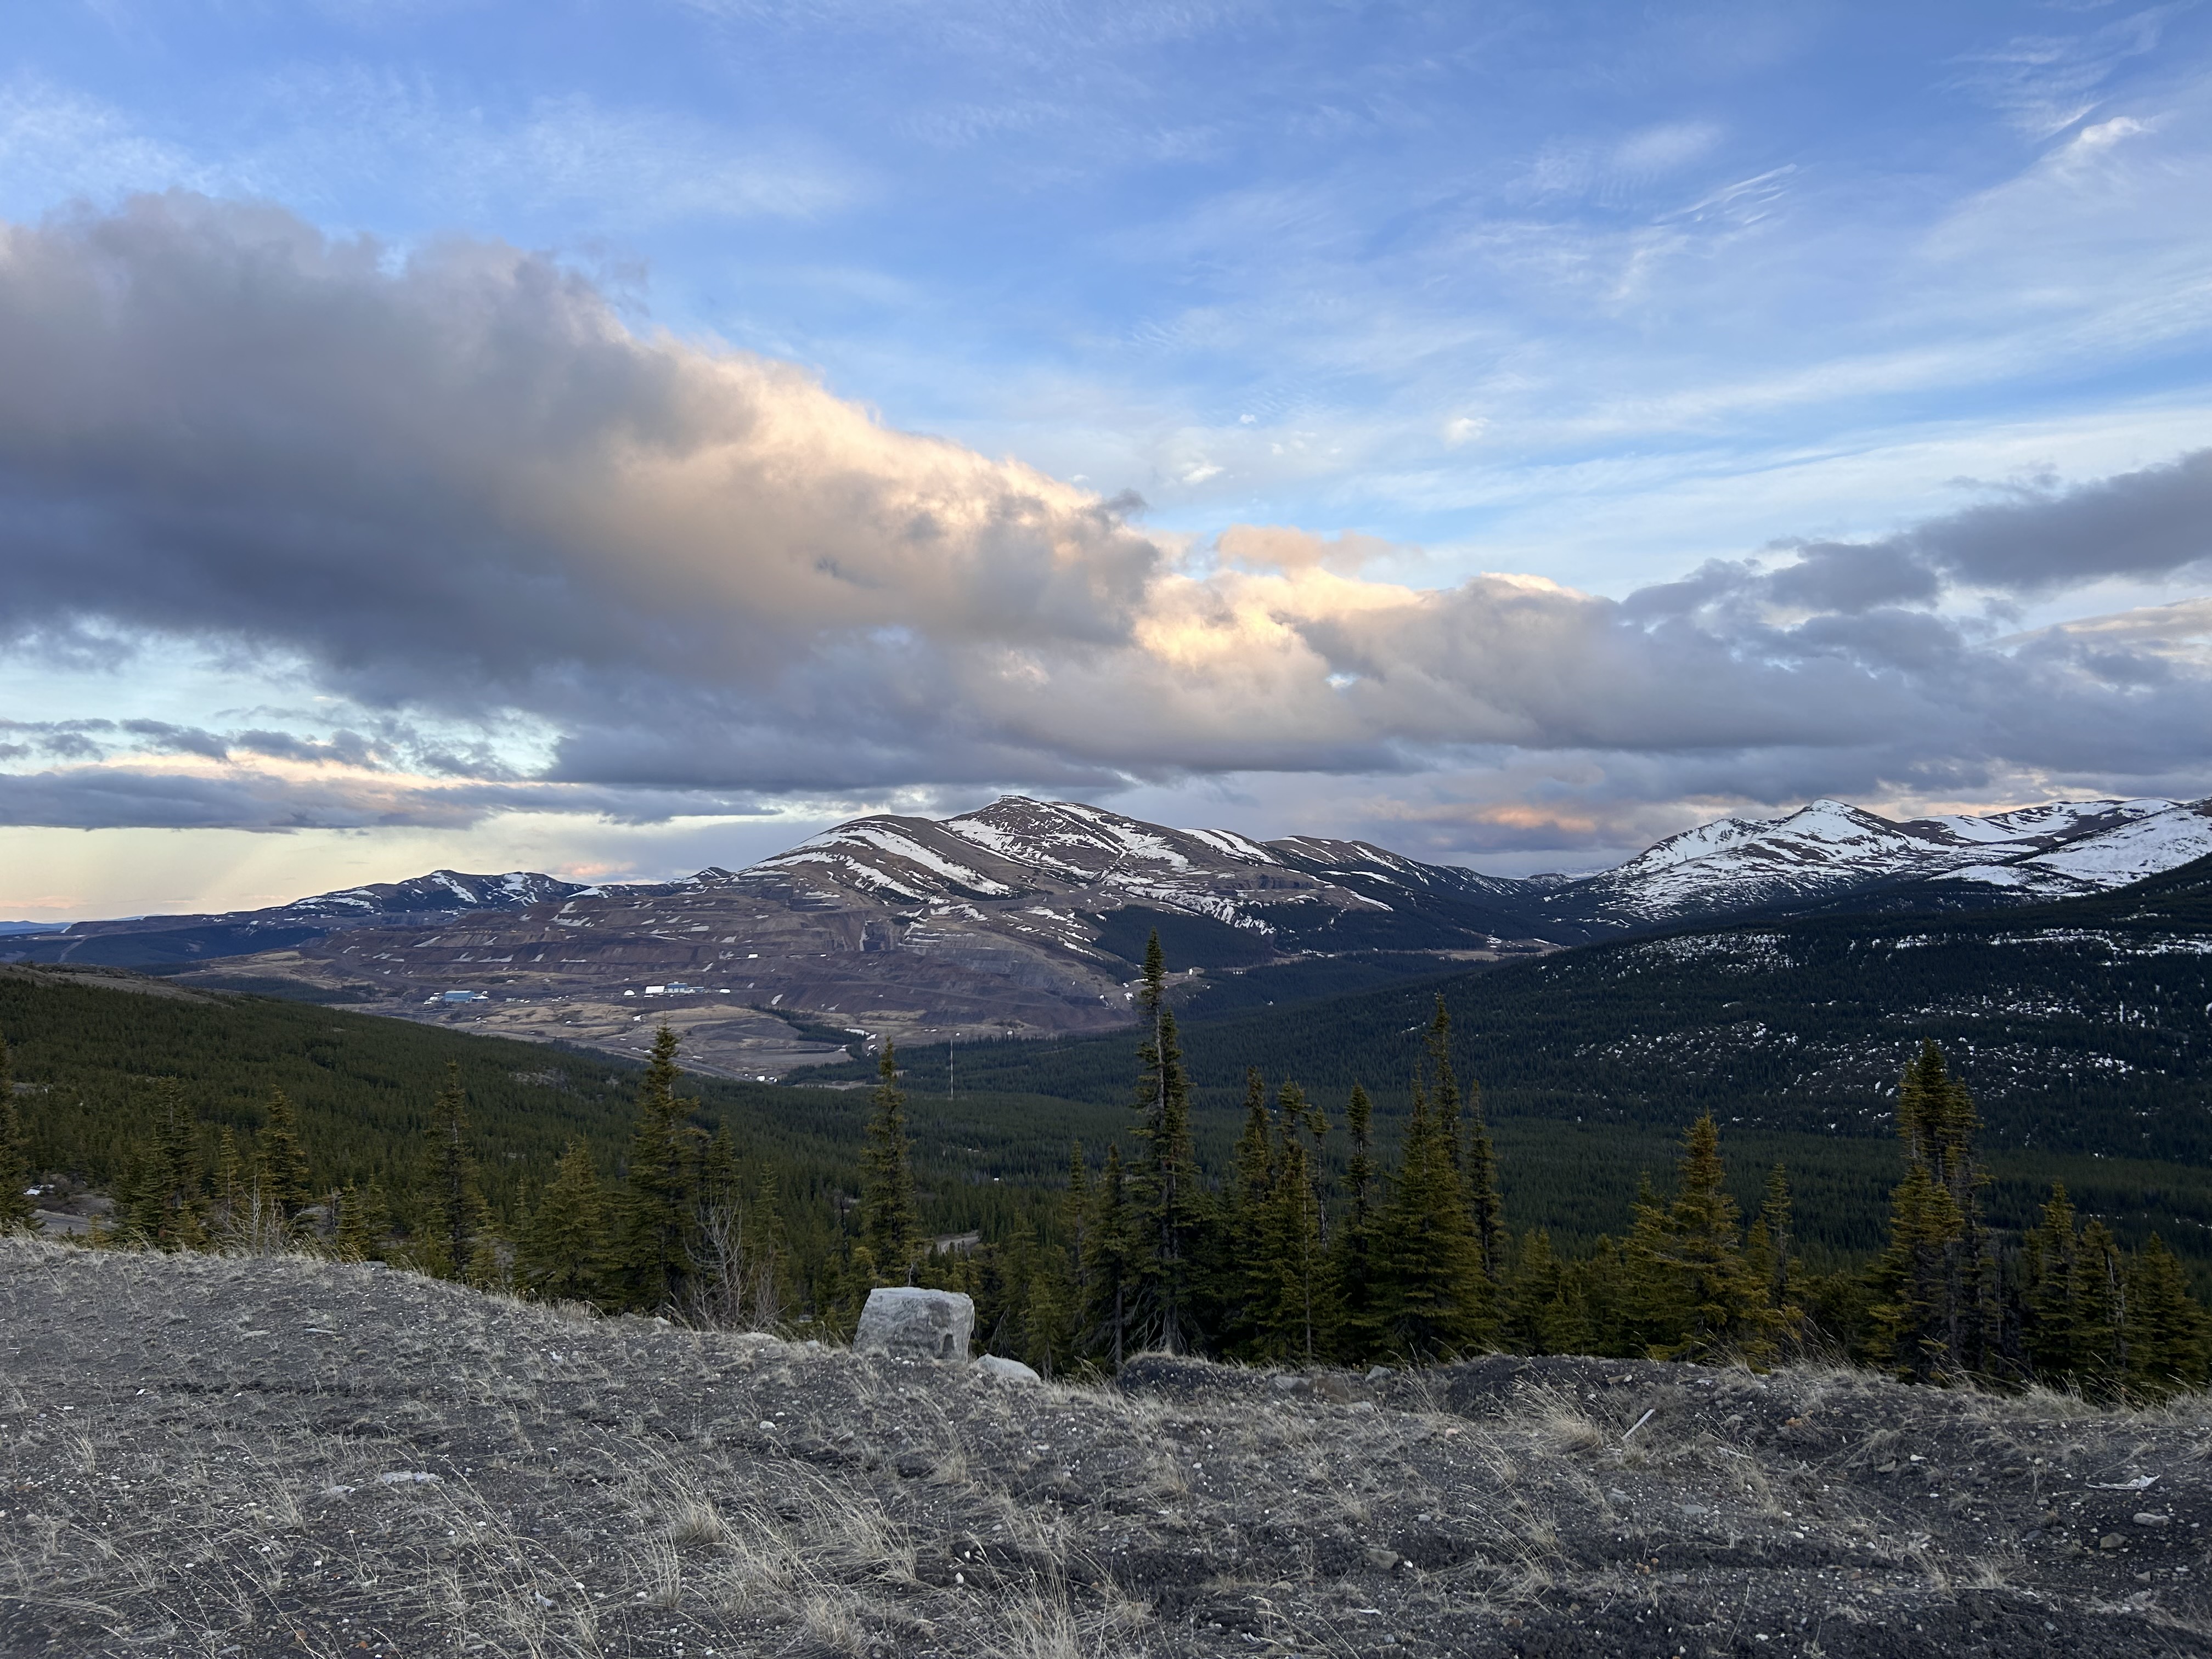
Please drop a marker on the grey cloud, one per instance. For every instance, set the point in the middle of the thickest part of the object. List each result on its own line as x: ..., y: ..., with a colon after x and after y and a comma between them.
x: 163, y: 738
x: 340, y: 748
x: 458, y: 489
x: 1840, y: 576
x: 89, y: 798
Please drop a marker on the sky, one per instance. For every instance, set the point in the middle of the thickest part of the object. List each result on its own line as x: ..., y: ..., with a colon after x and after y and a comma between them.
x: 614, y: 439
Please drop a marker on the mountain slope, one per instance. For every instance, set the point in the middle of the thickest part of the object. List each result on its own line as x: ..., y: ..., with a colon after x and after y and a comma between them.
x: 1027, y: 916
x: 148, y: 941
x: 2083, y: 1026
x: 1833, y: 854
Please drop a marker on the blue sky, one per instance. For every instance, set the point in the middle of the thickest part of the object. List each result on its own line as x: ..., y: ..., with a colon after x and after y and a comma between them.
x: 1591, y: 293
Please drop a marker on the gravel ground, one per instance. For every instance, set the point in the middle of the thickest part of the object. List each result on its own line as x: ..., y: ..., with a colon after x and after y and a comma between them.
x: 232, y: 1457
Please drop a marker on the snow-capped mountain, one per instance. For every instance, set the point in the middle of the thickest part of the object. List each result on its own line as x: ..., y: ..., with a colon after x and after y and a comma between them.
x: 1032, y: 917
x: 1828, y: 852
x: 147, y: 941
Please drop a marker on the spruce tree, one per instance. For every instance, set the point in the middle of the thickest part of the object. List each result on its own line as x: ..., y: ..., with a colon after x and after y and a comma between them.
x: 1166, y: 1205
x: 282, y: 1160
x: 2168, y: 1337
x: 19, y: 1211
x: 1075, y: 1219
x: 768, y: 1250
x: 1914, y: 1310
x: 451, y: 1215
x: 364, y: 1220
x: 1431, y: 1298
x: 891, y: 1217
x: 232, y: 1192
x: 1351, y: 1253
x: 1647, y: 1312
x: 561, y: 1252
x: 1531, y: 1289
x: 655, y: 1211
x: 1297, y: 1313
x: 166, y: 1203
x: 1244, y: 1270
x: 1478, y: 1163
x: 1938, y: 1308
x: 1769, y: 1249
x: 2060, y: 1338
x: 1110, y: 1266
x: 1722, y: 1304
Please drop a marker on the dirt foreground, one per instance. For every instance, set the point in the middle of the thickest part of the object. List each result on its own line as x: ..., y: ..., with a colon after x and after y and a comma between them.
x: 248, y: 1457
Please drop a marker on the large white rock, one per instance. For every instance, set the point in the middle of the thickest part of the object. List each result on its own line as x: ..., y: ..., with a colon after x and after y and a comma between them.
x: 914, y: 1324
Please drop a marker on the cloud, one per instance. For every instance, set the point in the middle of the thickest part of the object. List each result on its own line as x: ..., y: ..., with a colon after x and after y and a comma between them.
x: 458, y: 489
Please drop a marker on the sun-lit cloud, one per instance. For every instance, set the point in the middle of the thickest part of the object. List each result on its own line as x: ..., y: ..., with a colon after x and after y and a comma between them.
x: 459, y: 486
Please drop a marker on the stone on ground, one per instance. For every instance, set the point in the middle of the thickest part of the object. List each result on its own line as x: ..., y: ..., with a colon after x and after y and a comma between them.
x: 914, y: 1324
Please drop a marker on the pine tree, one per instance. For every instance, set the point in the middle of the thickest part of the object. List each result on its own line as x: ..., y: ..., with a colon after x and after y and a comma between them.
x: 561, y: 1254
x: 769, y: 1250
x: 1648, y: 1314
x: 1296, y: 1307
x: 1914, y: 1305
x: 1769, y: 1250
x: 2168, y: 1336
x: 1075, y: 1220
x: 452, y: 1214
x: 1351, y: 1253
x: 19, y: 1211
x: 1243, y: 1272
x: 1110, y: 1266
x: 1431, y: 1298
x: 364, y: 1221
x: 655, y: 1211
x: 1531, y: 1288
x: 1478, y: 1163
x: 233, y: 1194
x: 1721, y: 1303
x: 1166, y: 1204
x: 890, y: 1218
x: 167, y: 1204
x: 1938, y: 1311
x: 283, y: 1170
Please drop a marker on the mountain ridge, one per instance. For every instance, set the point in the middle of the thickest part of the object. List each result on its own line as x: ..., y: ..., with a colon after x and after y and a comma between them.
x: 1029, y: 917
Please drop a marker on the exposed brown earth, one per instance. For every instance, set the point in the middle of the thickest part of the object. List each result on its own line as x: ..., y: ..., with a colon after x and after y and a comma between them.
x: 249, y: 1457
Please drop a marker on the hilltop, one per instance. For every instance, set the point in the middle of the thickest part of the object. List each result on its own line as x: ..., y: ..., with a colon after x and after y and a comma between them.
x: 273, y: 1457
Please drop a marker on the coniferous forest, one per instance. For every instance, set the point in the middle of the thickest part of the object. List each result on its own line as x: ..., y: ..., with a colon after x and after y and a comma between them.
x: 1303, y: 1241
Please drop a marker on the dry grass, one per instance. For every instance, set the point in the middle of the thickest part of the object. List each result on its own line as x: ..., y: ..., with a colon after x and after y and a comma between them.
x: 220, y: 1479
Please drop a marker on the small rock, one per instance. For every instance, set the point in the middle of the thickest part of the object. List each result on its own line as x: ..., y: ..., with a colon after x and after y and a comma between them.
x: 1379, y: 1371
x: 2110, y: 1541
x: 1286, y: 1384
x: 408, y: 1478
x: 1365, y: 1406
x: 915, y: 1324
x: 2148, y: 1519
x: 1382, y: 1559
x: 1013, y: 1370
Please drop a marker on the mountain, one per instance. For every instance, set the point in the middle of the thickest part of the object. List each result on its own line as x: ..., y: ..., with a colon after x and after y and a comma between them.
x: 1031, y: 917
x: 151, y: 941
x: 2083, y: 1026
x: 1841, y: 856
x: 1027, y: 917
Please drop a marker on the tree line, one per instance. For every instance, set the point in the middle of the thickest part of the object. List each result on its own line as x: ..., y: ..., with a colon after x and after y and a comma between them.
x: 1271, y: 1258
